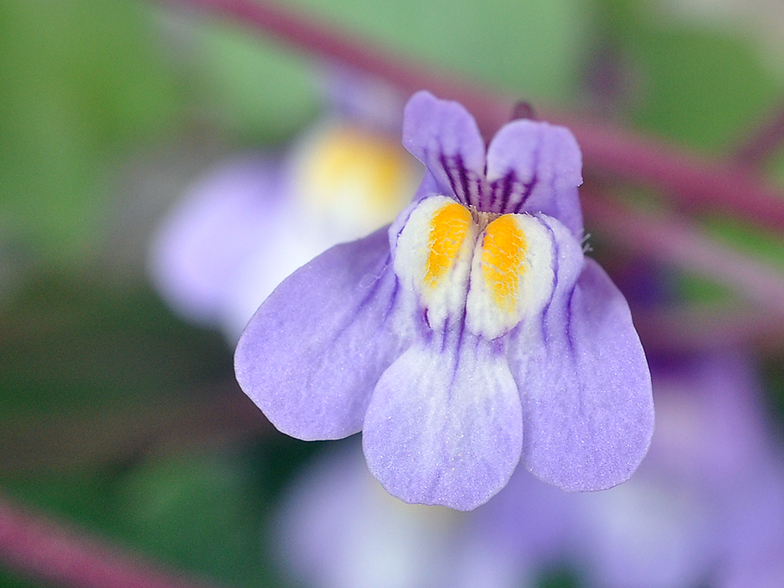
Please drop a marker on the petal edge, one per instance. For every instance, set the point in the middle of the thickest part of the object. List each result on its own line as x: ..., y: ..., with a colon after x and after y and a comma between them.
x: 312, y: 353
x: 585, y: 384
x: 440, y: 431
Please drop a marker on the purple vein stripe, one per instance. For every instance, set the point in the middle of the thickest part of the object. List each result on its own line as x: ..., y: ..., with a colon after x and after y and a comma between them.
x: 697, y: 182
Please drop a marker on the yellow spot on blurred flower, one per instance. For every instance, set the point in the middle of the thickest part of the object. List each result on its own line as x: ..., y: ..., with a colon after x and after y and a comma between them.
x: 503, y: 259
x: 448, y: 229
x: 359, y: 173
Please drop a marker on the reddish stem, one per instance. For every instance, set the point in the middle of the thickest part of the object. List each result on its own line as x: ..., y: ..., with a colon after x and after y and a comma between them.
x: 764, y: 141
x: 45, y: 551
x: 695, y: 329
x: 694, y: 180
x: 673, y: 241
x: 57, y: 442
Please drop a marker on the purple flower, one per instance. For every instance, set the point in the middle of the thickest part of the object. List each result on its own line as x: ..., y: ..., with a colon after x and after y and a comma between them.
x: 468, y: 336
x: 204, y: 244
x: 705, y: 507
x: 337, y: 528
x: 707, y: 502
x: 244, y: 227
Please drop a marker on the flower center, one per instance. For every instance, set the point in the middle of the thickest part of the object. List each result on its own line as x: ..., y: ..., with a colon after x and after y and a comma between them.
x: 481, y: 218
x: 472, y: 265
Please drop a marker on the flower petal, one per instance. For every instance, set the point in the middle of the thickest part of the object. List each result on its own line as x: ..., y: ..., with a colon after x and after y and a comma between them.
x: 433, y: 258
x: 312, y: 353
x: 511, y: 275
x: 444, y: 424
x: 536, y: 167
x: 444, y: 136
x: 200, y: 249
x: 427, y: 189
x: 583, y: 378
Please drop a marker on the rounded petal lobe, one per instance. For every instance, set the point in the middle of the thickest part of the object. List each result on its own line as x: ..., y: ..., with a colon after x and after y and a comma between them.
x: 511, y: 275
x: 444, y: 425
x: 536, y: 167
x: 312, y: 353
x: 445, y: 137
x: 433, y: 257
x: 200, y: 249
x: 584, y: 380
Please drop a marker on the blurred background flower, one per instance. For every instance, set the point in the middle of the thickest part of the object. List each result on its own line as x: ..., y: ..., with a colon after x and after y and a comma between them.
x: 123, y: 121
x: 245, y: 227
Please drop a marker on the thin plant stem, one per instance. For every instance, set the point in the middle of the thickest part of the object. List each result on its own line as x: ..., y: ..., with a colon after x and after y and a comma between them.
x: 764, y: 141
x: 695, y: 182
x: 696, y: 328
x: 678, y: 242
x: 41, y: 549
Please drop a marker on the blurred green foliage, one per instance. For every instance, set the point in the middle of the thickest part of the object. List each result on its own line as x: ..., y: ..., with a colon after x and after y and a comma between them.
x: 534, y: 48
x: 87, y: 84
x: 82, y: 82
x: 260, y: 92
x: 694, y: 84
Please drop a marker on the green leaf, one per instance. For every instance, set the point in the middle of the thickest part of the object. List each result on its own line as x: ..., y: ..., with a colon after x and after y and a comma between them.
x: 259, y: 91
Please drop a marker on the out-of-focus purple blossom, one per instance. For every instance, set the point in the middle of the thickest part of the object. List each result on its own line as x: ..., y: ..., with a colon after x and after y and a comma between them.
x: 338, y: 528
x: 527, y: 528
x: 753, y: 531
x: 704, y: 506
x: 704, y: 509
x: 679, y: 521
x: 247, y: 225
x: 360, y: 97
x: 471, y: 335
x: 206, y: 241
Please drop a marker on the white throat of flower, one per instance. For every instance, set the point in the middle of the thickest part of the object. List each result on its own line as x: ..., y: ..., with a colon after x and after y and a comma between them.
x: 490, y: 270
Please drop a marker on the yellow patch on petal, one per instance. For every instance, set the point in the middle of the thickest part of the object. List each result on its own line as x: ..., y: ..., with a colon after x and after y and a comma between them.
x: 503, y: 260
x: 448, y: 229
x: 360, y: 170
